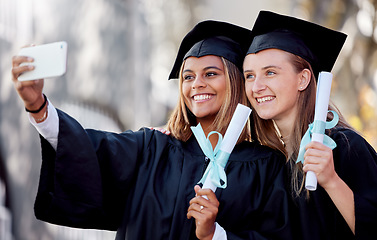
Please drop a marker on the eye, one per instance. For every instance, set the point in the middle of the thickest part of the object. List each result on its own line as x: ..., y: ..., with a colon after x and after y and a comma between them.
x: 188, y: 77
x: 270, y: 73
x: 210, y: 74
x: 249, y: 77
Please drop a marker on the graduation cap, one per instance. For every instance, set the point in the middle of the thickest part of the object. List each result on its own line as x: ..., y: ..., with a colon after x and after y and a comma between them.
x: 213, y: 38
x: 316, y: 44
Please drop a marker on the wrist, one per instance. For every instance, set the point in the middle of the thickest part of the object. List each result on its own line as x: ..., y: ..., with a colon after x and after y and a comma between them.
x: 210, y: 236
x: 38, y: 106
x: 41, y: 119
x: 333, y: 183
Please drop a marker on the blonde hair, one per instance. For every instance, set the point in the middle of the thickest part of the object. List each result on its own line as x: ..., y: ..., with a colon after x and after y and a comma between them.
x: 182, y: 118
x: 267, y: 134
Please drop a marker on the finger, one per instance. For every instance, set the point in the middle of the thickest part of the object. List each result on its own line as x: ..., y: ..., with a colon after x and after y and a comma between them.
x: 17, y: 71
x: 195, y: 210
x: 317, y: 145
x: 194, y: 214
x: 21, y: 85
x: 310, y: 159
x: 164, y: 131
x: 313, y: 152
x: 200, y: 195
x: 195, y: 207
x: 316, y: 168
x: 317, y: 156
x: 201, y: 208
x: 197, y: 189
x: 198, y: 200
x: 208, y: 192
x: 325, y: 154
x: 211, y: 196
x: 202, y: 205
x: 17, y: 60
x: 203, y: 191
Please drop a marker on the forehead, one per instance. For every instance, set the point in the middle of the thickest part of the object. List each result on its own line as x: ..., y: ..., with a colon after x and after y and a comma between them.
x: 198, y: 63
x: 266, y: 57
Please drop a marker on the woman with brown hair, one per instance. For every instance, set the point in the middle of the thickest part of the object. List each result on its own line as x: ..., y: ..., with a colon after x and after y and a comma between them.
x: 280, y: 71
x: 141, y: 183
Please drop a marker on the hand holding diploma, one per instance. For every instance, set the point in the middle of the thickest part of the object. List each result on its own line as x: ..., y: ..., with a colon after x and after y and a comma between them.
x: 316, y: 130
x: 214, y: 175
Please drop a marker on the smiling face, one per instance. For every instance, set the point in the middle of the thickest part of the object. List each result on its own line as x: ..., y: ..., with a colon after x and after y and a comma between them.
x: 273, y: 85
x: 204, y: 86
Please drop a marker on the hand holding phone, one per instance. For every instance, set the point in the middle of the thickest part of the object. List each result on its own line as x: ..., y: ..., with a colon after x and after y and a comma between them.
x: 50, y: 60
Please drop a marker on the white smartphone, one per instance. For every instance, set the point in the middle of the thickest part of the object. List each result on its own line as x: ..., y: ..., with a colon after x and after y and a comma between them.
x: 50, y: 60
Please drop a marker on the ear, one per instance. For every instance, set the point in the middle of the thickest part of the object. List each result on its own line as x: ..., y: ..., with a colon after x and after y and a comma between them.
x: 304, y: 78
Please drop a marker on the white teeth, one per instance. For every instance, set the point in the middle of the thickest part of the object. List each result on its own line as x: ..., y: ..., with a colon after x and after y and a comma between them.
x: 201, y: 97
x: 260, y: 100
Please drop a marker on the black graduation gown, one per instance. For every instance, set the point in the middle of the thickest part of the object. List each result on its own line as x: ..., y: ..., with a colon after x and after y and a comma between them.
x: 140, y: 184
x: 355, y: 162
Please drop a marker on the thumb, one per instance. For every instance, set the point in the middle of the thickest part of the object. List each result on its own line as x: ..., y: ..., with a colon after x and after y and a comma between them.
x: 197, y: 188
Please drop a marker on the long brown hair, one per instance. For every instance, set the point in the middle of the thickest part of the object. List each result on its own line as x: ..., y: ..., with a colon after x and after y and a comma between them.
x: 267, y: 133
x: 182, y: 118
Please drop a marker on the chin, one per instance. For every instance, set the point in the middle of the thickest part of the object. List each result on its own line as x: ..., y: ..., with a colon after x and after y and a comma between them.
x: 265, y: 116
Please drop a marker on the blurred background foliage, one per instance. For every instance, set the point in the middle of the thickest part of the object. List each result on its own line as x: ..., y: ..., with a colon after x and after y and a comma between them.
x: 119, y: 57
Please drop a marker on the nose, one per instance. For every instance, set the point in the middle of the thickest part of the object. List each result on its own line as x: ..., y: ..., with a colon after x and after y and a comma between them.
x: 199, y: 82
x: 258, y: 85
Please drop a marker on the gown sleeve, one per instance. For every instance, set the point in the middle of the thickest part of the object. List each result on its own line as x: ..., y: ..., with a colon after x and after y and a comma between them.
x: 356, y: 163
x: 104, y: 166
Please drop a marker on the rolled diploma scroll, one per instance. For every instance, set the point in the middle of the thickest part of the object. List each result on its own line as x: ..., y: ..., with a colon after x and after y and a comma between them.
x: 236, y: 125
x: 320, y: 114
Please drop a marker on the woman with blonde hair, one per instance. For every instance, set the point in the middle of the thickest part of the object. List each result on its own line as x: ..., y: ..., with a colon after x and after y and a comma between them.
x: 280, y: 71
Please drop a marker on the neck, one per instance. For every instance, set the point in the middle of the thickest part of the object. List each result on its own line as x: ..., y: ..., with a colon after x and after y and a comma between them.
x: 285, y: 129
x: 207, y: 128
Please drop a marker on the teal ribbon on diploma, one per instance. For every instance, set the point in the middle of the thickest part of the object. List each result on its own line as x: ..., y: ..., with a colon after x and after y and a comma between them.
x: 218, y: 158
x: 317, y: 127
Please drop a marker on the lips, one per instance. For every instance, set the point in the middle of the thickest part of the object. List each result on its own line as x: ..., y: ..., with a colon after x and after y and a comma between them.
x: 202, y: 97
x: 264, y: 99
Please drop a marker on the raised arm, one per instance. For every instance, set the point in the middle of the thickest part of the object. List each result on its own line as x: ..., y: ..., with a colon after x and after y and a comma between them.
x: 29, y: 91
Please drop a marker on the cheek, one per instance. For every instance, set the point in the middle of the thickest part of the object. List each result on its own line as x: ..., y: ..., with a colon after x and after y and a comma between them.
x: 290, y: 92
x: 222, y: 91
x: 249, y: 90
x: 186, y: 94
x: 186, y: 90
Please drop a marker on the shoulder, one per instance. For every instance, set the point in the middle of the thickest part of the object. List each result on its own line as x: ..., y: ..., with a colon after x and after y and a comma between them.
x: 347, y: 137
x: 157, y: 138
x: 351, y: 144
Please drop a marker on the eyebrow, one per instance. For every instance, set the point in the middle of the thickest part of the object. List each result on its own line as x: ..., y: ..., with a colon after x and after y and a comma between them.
x: 209, y: 67
x: 271, y: 66
x: 263, y: 68
x: 206, y: 68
